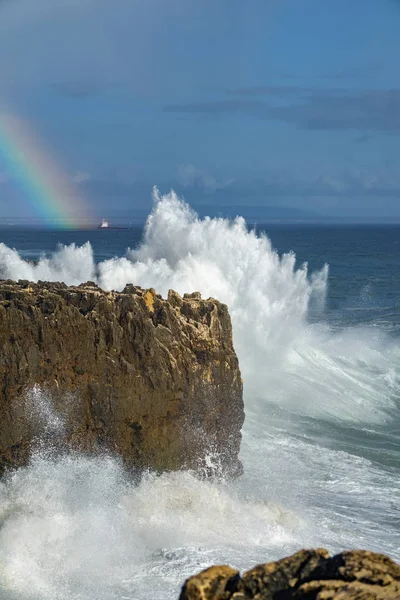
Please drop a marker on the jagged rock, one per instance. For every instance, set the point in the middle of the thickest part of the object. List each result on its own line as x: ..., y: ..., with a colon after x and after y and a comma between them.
x: 306, y: 575
x: 215, y: 582
x: 155, y: 381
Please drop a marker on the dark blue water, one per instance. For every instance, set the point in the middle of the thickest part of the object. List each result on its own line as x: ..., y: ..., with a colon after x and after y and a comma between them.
x: 364, y: 275
x: 32, y: 243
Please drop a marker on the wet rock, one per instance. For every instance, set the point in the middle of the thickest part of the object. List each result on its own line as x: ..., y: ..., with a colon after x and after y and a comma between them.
x: 155, y: 381
x: 306, y: 575
x: 215, y: 583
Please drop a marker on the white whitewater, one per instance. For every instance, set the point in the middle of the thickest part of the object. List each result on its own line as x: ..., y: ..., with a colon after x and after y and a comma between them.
x: 77, y: 528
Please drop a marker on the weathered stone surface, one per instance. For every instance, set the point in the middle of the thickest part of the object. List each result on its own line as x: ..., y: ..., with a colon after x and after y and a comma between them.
x: 307, y: 575
x: 156, y: 381
x: 215, y: 583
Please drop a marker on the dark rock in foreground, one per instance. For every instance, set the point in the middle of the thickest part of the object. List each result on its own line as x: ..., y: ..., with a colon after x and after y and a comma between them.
x: 155, y: 381
x: 307, y: 575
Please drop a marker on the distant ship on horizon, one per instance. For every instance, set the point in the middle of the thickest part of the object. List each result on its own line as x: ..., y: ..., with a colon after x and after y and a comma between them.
x: 105, y: 225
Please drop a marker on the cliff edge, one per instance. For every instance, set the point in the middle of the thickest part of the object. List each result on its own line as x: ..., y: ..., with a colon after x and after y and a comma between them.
x: 155, y: 381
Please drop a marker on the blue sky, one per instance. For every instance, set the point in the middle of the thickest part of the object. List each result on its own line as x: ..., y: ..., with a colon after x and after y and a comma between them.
x: 268, y: 102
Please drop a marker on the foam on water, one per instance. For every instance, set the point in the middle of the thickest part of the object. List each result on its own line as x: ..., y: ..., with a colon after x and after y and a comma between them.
x: 71, y: 264
x: 74, y: 527
x: 318, y: 405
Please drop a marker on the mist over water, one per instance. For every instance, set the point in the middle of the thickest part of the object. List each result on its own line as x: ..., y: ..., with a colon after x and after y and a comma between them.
x: 320, y: 442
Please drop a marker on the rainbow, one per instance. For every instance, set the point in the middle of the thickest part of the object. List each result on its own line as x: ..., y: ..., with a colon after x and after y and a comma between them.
x: 47, y: 190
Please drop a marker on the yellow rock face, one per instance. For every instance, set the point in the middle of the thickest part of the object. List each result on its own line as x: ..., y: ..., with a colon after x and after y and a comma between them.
x: 149, y: 298
x: 215, y: 583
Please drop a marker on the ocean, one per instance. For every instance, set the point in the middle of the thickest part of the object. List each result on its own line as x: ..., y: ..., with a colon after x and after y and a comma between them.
x: 316, y: 323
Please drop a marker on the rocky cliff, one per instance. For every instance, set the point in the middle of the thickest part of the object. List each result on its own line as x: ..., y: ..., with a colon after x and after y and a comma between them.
x: 307, y: 575
x: 155, y: 381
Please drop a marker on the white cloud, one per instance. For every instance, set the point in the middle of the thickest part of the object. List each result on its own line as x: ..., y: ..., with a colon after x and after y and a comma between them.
x: 81, y: 177
x: 190, y: 176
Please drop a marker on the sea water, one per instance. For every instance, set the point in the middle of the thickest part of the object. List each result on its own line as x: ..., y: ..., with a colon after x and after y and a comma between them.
x: 319, y: 351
